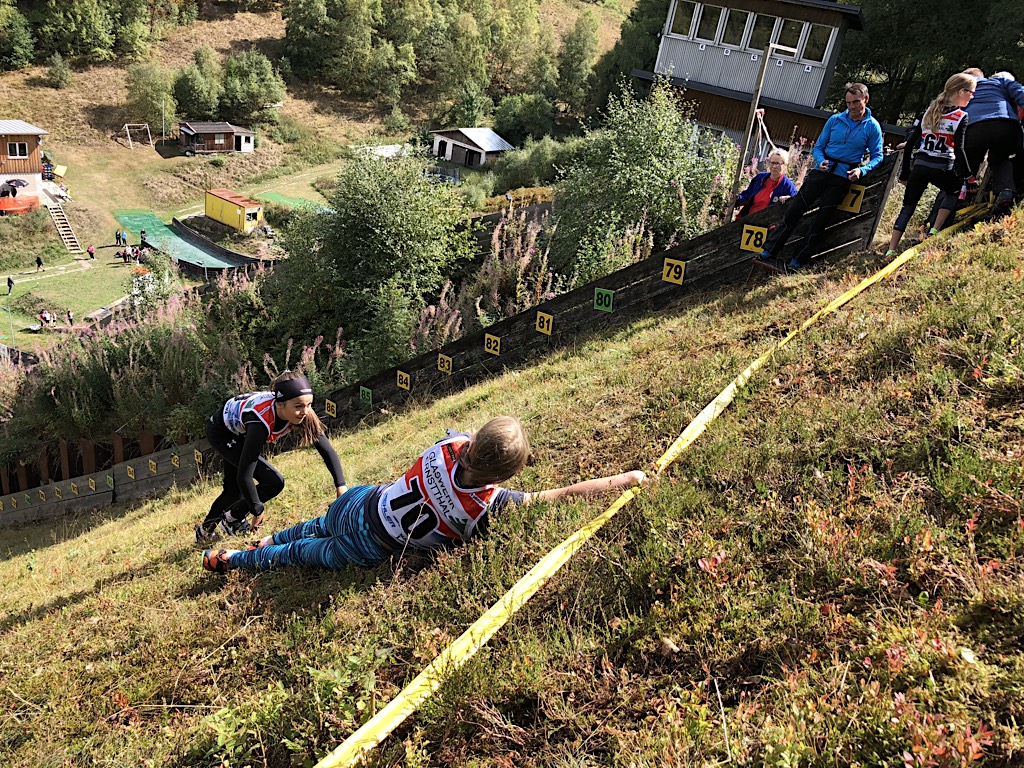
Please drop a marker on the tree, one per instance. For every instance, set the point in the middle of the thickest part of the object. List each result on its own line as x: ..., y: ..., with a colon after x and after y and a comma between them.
x: 82, y: 30
x: 636, y: 48
x: 131, y: 28
x: 521, y: 116
x: 650, y: 164
x: 387, y: 225
x: 197, y: 88
x: 250, y: 85
x: 58, y: 73
x: 542, y: 75
x: 462, y: 64
x: 150, y: 97
x: 16, y: 44
x: 908, y: 55
x: 576, y: 62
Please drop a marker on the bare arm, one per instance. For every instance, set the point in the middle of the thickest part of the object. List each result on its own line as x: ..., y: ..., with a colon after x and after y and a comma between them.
x: 589, y: 487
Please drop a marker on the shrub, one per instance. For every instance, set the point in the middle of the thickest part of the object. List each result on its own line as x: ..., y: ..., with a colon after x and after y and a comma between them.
x: 524, y: 116
x: 649, y: 163
x: 539, y: 163
x: 58, y: 72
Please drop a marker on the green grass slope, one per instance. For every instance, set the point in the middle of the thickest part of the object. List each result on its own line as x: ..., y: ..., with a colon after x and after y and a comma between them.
x: 830, y: 576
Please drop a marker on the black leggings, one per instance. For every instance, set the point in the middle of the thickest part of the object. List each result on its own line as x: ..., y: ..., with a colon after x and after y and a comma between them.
x: 1000, y: 138
x: 826, y: 189
x: 269, y: 482
x: 920, y: 177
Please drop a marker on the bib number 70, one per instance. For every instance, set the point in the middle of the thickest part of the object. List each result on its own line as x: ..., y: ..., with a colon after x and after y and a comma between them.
x: 418, y: 519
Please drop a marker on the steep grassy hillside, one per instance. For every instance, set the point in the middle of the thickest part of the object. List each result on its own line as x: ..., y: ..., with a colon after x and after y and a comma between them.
x: 830, y: 576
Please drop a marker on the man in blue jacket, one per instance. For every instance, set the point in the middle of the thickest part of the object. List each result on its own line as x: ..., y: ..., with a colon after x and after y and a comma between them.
x: 839, y: 153
x: 993, y: 126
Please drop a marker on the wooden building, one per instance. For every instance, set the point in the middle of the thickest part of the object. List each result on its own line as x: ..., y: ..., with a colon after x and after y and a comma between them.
x: 205, y: 138
x: 472, y: 147
x: 21, y: 162
x: 714, y: 52
x: 234, y: 210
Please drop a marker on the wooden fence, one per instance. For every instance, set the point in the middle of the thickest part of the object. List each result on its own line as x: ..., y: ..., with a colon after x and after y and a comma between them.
x: 718, y: 257
x: 696, y: 266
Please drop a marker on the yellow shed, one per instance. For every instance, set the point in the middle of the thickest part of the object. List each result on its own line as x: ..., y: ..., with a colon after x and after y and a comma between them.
x: 232, y: 209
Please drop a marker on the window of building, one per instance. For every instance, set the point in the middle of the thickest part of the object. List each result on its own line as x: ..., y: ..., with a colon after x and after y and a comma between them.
x: 218, y: 138
x: 817, y: 43
x: 761, y: 32
x: 683, y: 18
x: 789, y: 35
x: 17, y: 149
x: 707, y: 28
x: 251, y: 215
x: 735, y: 25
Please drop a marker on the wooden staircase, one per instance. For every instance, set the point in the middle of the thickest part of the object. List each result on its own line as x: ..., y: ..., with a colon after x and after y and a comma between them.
x: 67, y: 234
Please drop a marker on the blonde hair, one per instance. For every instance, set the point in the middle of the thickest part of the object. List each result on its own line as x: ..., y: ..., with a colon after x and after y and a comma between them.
x: 961, y: 81
x: 497, y: 451
x: 310, y: 428
x: 780, y: 153
x: 974, y: 71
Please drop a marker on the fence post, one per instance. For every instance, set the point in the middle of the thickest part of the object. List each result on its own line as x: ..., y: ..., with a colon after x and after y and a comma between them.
x: 87, y: 448
x: 5, y: 480
x: 147, y: 443
x: 65, y: 460
x: 44, y: 466
x: 118, y: 443
x: 22, y: 473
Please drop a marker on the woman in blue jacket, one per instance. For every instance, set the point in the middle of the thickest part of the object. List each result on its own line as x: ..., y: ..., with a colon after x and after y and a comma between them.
x: 995, y: 128
x: 771, y: 186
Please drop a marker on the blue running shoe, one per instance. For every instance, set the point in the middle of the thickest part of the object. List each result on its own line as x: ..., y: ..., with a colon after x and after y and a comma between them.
x: 794, y: 266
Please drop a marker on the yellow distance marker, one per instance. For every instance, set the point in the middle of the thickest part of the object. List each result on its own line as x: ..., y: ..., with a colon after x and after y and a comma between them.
x: 58, y: 492
x: 492, y: 344
x: 674, y: 271
x: 331, y: 408
x: 131, y: 471
x: 404, y: 380
x: 444, y: 364
x: 545, y: 323
x: 42, y: 495
x: 14, y: 502
x: 74, y: 488
x: 753, y: 238
x: 198, y: 456
x: 152, y: 466
x: 92, y: 483
x: 853, y: 199
x: 175, y: 460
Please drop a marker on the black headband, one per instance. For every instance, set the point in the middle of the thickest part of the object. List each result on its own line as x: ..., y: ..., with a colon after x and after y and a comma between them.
x: 290, y: 388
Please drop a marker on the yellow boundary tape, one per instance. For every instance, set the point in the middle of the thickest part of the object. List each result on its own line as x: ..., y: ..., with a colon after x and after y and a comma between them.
x: 375, y: 730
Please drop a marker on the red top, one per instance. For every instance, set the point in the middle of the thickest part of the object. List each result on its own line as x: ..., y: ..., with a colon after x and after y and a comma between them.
x: 764, y: 196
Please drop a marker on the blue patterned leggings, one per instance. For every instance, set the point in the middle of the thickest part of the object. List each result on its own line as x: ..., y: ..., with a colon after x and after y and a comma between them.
x: 340, y: 537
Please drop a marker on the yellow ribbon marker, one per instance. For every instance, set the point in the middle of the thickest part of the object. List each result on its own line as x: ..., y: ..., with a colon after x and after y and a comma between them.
x: 460, y: 651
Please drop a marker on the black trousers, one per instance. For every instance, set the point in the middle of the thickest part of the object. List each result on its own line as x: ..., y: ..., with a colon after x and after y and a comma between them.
x: 826, y: 189
x: 920, y: 177
x: 269, y: 482
x: 1000, y: 138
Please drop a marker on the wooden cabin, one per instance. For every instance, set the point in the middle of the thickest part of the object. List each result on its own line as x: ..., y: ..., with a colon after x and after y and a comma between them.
x: 21, y: 162
x: 472, y: 147
x: 234, y: 210
x: 714, y: 52
x: 206, y: 138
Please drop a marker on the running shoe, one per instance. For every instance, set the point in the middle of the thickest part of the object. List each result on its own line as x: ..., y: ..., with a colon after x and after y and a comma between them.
x: 234, y: 527
x: 794, y: 266
x: 205, y: 533
x: 216, y: 560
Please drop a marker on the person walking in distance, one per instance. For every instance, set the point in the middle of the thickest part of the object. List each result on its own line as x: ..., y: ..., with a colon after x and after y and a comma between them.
x: 839, y: 154
x: 39, y: 264
x: 10, y: 284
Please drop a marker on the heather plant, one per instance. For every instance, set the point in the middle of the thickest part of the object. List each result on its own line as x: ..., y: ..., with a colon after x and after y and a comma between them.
x: 650, y: 162
x: 513, y: 278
